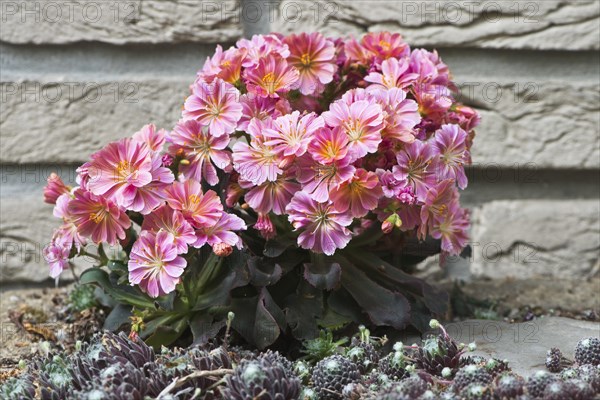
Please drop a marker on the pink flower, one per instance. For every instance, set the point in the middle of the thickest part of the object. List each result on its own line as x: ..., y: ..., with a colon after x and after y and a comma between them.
x: 119, y: 170
x: 221, y: 232
x: 67, y: 234
x: 171, y: 221
x: 214, y: 104
x: 271, y: 196
x: 434, y: 100
x: 200, y: 209
x: 148, y: 197
x: 394, y: 73
x: 260, y: 46
x: 452, y: 228
x: 318, y: 179
x: 376, y: 47
x: 226, y: 65
x: 390, y: 186
x: 271, y: 77
x: 231, y: 65
x: 329, y: 145
x: 83, y: 176
x: 155, y: 140
x: 359, y: 195
x: 414, y: 168
x: 233, y: 192
x: 57, y: 257
x: 54, y: 188
x: 362, y: 121
x: 212, y: 66
x: 291, y: 134
x: 439, y: 199
x: 265, y: 226
x: 324, y: 229
x: 466, y: 117
x: 154, y: 263
x: 313, y: 55
x: 98, y: 218
x: 401, y: 114
x: 256, y: 162
x: 190, y: 140
x: 429, y: 67
x: 385, y: 45
x: 257, y: 107
x: 450, y: 142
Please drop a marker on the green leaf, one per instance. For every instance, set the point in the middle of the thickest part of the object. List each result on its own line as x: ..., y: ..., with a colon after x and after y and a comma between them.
x: 118, y: 317
x: 165, y: 335
x: 117, y: 265
x: 161, y: 320
x: 216, y: 295
x: 383, y: 306
x: 121, y: 294
x: 166, y: 302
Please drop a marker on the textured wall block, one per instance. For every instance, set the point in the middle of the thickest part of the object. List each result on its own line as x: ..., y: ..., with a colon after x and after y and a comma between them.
x: 26, y: 225
x: 526, y: 238
x: 120, y: 21
x: 548, y: 124
x: 56, y: 122
x: 518, y: 24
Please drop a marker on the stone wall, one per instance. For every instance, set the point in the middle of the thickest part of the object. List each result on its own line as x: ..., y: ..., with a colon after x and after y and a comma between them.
x: 76, y: 74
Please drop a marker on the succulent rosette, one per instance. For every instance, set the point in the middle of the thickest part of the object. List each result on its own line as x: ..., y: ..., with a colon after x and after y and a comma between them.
x: 306, y: 174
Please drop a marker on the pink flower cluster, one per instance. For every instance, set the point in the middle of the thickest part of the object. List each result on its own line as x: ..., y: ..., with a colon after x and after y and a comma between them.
x: 130, y: 177
x: 331, y: 134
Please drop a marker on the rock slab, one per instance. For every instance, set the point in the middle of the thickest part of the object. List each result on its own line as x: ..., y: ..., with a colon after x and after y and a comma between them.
x: 525, y: 344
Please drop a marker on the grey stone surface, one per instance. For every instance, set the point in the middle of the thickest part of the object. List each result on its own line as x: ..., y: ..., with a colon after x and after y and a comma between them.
x: 118, y: 22
x: 523, y: 239
x: 26, y: 225
x: 525, y: 344
x: 519, y: 24
x: 59, y: 122
x: 549, y: 124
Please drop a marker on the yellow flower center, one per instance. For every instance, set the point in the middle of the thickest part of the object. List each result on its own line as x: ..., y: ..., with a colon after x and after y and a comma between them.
x: 99, y: 216
x: 305, y: 59
x: 385, y: 45
x: 269, y: 78
x: 194, y: 199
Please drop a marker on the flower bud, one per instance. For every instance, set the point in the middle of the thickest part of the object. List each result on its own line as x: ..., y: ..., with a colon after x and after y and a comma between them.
x: 222, y: 249
x: 434, y: 324
x: 54, y: 189
x: 387, y: 227
x: 391, y: 222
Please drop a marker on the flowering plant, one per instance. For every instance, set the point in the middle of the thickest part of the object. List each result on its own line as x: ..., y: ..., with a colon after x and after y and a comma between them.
x: 304, y: 179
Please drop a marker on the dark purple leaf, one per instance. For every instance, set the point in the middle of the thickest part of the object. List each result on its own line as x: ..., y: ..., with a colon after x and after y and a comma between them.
x: 383, y: 306
x: 323, y: 276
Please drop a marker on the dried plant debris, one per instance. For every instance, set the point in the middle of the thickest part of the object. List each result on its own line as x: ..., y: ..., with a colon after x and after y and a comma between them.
x: 115, y: 366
